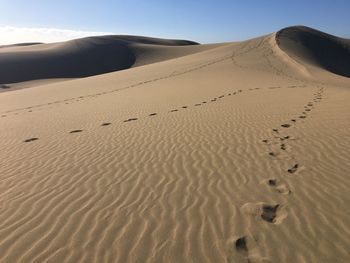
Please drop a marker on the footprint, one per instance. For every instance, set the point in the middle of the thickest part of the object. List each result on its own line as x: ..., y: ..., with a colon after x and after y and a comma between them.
x: 184, y: 107
x: 272, y: 182
x: 275, y: 130
x: 152, y: 114
x: 269, y: 213
x: 198, y: 104
x: 75, y: 131
x: 174, y: 110
x: 241, y: 245
x: 293, y: 169
x: 285, y: 125
x: 283, y: 147
x: 220, y: 97
x: 106, y: 124
x: 278, y: 187
x: 302, y: 116
x: 285, y: 138
x: 265, y: 141
x: 131, y: 119
x: 293, y: 120
x: 31, y: 139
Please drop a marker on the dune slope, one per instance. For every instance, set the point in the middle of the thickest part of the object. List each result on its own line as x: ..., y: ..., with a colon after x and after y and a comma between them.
x: 316, y: 48
x: 74, y: 59
x: 231, y: 154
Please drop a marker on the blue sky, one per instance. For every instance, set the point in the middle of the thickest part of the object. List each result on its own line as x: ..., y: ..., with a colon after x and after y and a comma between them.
x: 200, y: 20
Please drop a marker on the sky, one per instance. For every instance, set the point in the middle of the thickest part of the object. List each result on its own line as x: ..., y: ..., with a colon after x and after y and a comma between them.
x: 204, y: 21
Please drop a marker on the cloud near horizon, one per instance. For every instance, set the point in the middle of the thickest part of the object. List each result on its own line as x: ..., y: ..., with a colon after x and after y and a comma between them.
x: 15, y: 35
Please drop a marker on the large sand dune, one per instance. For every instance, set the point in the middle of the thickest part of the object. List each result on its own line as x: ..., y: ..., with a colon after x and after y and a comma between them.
x: 316, y: 48
x: 82, y: 57
x: 238, y: 152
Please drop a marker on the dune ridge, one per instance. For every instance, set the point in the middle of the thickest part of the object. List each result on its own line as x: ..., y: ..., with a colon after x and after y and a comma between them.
x: 316, y: 48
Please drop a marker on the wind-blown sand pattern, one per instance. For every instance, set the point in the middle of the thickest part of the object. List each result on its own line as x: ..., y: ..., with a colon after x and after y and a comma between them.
x: 235, y: 152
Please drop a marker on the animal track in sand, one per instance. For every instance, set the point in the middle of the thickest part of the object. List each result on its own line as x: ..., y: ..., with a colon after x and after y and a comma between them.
x: 152, y: 114
x: 106, y: 124
x: 174, y: 110
x: 285, y: 125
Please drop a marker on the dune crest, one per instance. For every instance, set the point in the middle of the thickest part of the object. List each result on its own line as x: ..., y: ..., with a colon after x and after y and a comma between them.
x: 316, y: 48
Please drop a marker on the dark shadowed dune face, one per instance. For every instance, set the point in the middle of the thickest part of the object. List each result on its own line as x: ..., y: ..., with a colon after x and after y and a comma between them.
x: 72, y: 59
x: 317, y: 48
x: 21, y: 44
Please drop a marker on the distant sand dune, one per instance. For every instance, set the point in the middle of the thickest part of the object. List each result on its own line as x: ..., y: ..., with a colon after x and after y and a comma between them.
x: 74, y: 59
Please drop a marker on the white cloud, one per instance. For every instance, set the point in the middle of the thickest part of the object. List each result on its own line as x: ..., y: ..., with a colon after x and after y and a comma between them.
x: 13, y: 35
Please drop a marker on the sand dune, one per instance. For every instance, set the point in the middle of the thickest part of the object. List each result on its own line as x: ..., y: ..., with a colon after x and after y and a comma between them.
x: 316, y: 48
x: 79, y: 58
x: 238, y: 152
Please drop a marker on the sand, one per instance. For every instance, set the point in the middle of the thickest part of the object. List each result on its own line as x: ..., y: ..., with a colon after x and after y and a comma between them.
x: 235, y: 152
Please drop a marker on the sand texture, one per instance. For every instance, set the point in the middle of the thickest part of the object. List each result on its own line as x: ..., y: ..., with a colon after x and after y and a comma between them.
x: 234, y: 152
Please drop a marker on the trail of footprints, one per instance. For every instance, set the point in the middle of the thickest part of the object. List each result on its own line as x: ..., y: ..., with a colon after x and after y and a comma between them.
x: 270, y: 213
x: 170, y: 111
x: 95, y: 95
x: 215, y: 99
x: 151, y: 114
x: 273, y: 213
